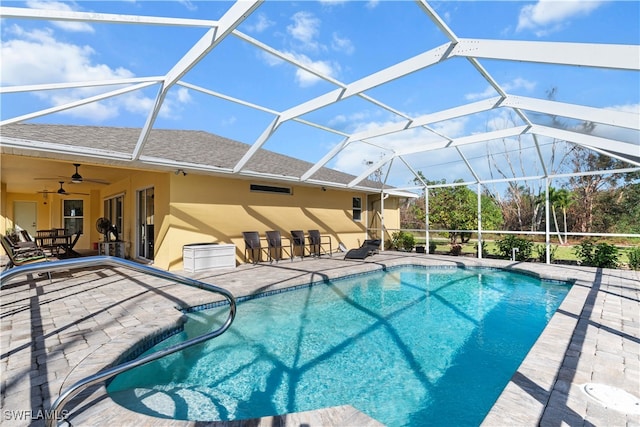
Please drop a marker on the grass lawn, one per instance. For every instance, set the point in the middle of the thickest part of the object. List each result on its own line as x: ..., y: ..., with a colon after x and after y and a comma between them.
x: 563, y: 253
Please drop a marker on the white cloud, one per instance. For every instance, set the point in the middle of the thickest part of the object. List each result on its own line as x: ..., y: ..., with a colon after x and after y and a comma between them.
x: 229, y: 121
x: 304, y: 32
x: 183, y: 96
x: 352, y: 158
x: 189, y: 5
x: 37, y: 57
x: 627, y: 108
x: 62, y: 6
x: 516, y: 84
x: 372, y: 4
x: 343, y: 45
x: 332, y: 2
x: 305, y: 29
x: 261, y: 24
x: 519, y: 83
x: 548, y: 16
x: 355, y: 122
x: 306, y: 79
x: 503, y: 119
x: 32, y: 57
x: 487, y: 93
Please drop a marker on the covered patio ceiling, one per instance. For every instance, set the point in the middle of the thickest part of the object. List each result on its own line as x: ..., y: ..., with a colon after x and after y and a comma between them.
x: 394, y: 149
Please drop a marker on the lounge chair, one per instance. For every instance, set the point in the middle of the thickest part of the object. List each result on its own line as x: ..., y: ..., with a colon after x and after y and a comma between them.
x: 298, y: 242
x: 21, y: 241
x: 252, y: 245
x: 21, y: 255
x: 369, y: 247
x: 274, y: 246
x: 316, y: 243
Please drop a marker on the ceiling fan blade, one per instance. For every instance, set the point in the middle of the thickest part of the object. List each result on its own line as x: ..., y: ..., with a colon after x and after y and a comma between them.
x: 95, y: 181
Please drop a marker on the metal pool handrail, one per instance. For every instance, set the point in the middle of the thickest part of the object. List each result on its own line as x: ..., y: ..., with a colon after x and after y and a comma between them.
x: 56, y: 409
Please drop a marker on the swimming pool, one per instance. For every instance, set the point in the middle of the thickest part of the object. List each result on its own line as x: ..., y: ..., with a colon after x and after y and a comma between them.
x: 403, y: 346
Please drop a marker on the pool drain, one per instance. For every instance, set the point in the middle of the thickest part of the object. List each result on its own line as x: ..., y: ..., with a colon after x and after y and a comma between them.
x: 613, y: 397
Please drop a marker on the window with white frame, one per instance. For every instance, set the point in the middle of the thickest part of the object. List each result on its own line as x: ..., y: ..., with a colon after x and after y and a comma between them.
x: 357, y: 209
x: 73, y: 216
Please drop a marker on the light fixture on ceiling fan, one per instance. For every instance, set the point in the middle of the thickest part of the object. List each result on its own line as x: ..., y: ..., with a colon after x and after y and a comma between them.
x: 76, y: 178
x: 61, y: 191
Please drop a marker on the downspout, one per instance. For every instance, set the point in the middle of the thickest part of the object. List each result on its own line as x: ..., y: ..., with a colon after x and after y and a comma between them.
x: 382, y: 198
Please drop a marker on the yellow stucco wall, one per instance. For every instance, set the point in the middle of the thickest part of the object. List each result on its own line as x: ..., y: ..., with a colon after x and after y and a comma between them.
x: 213, y: 209
x: 199, y: 208
x: 49, y: 212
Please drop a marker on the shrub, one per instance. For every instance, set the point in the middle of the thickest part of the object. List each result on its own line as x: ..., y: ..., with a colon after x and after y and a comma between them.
x: 541, y: 252
x: 408, y: 242
x: 402, y: 240
x: 606, y: 256
x: 507, y: 243
x: 456, y: 249
x: 634, y: 258
x: 602, y: 255
x: 432, y: 247
x: 584, y: 251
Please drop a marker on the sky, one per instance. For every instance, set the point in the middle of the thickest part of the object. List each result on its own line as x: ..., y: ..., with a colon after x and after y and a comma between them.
x: 345, y: 41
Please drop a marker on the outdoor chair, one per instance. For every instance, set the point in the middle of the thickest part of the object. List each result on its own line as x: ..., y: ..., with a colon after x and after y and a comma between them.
x: 21, y: 241
x: 22, y: 255
x: 27, y: 239
x: 69, y: 252
x: 369, y: 247
x: 252, y: 246
x: 274, y: 245
x: 316, y: 243
x: 298, y: 243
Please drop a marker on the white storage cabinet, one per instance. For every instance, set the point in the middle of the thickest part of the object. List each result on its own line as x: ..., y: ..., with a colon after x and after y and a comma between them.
x: 205, y: 256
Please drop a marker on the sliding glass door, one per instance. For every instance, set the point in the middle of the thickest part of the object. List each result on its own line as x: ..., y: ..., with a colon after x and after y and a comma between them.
x: 145, y: 221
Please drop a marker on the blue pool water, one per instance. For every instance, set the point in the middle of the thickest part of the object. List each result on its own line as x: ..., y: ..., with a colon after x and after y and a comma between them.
x: 409, y: 347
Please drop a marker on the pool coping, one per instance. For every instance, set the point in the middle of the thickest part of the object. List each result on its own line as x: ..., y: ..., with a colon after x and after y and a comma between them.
x: 528, y: 399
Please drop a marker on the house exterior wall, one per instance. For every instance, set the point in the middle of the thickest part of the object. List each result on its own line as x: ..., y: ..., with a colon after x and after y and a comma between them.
x: 202, y: 208
x: 207, y: 209
x: 49, y: 212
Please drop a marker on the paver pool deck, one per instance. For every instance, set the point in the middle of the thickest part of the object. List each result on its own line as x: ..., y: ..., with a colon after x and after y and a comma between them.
x: 56, y: 333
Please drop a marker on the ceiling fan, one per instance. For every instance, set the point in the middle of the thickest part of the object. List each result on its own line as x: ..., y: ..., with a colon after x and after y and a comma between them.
x: 76, y: 178
x: 61, y: 191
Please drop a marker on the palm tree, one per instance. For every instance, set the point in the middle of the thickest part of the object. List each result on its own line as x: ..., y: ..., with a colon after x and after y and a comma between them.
x: 564, y: 199
x: 553, y: 201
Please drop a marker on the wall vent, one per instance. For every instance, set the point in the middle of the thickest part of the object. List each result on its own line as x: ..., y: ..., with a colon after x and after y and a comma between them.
x: 270, y: 189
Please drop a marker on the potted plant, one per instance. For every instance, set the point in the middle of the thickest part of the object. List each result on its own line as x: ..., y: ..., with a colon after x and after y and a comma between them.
x: 408, y: 242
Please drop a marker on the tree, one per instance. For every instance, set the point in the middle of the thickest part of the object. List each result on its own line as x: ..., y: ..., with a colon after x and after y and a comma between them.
x: 587, y: 187
x: 452, y: 208
x: 557, y: 198
x: 564, y: 200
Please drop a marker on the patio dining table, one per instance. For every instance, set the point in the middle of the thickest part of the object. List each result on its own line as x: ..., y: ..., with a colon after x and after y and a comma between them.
x: 55, y: 239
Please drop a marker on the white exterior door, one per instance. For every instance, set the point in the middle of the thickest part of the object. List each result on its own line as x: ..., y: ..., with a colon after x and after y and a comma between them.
x: 25, y: 216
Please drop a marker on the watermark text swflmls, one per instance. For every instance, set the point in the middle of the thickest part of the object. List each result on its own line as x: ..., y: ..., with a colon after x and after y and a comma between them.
x: 28, y: 414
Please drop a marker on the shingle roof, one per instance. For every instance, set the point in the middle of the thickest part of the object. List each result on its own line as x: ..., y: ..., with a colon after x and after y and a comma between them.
x: 178, y: 146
